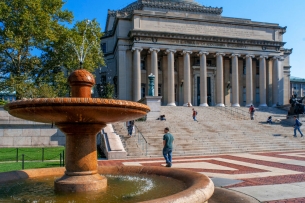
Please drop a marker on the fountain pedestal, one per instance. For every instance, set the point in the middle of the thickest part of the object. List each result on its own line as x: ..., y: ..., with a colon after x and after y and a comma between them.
x: 81, y: 158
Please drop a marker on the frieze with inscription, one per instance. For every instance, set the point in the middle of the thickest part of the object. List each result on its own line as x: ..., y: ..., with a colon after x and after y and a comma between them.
x: 204, y: 28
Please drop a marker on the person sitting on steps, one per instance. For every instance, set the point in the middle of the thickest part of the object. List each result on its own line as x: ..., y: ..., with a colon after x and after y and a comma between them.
x: 269, y: 120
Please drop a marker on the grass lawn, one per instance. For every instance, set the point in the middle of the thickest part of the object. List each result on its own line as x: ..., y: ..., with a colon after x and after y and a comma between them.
x: 30, y: 154
x: 32, y: 158
x: 15, y: 166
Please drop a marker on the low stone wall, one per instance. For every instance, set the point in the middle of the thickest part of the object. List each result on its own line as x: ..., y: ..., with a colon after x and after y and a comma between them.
x: 15, y: 132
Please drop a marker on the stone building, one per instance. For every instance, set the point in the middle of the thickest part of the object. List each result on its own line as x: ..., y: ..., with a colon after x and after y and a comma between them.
x: 197, y: 55
x: 297, y: 86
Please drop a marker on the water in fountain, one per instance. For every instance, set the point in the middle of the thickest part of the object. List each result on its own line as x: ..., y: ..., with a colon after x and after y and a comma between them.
x: 121, y: 188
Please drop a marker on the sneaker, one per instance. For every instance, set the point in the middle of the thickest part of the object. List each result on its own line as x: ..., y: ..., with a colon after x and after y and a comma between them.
x: 168, y: 165
x: 301, y: 135
x: 294, y: 136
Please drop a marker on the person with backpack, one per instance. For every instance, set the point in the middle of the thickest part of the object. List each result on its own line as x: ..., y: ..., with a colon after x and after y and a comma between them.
x: 251, y: 111
x: 297, y: 126
x: 194, y: 114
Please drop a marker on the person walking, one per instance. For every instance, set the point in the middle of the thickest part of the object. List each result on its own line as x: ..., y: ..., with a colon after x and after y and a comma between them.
x: 168, y: 140
x: 251, y: 111
x: 194, y: 114
x: 297, y: 126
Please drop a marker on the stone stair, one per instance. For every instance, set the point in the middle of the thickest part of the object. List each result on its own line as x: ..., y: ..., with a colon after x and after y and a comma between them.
x: 216, y: 132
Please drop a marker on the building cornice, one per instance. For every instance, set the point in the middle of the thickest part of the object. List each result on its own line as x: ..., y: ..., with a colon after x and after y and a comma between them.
x: 136, y: 35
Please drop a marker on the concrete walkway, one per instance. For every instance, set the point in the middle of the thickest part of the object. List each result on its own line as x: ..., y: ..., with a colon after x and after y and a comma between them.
x: 268, y: 177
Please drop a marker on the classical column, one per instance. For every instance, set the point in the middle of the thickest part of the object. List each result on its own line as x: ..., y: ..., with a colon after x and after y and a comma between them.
x: 187, y: 78
x: 275, y: 82
x: 154, y: 67
x: 249, y: 80
x: 262, y: 81
x: 219, y: 79
x: 171, y: 77
x: 235, y: 79
x: 136, y: 73
x: 203, y: 79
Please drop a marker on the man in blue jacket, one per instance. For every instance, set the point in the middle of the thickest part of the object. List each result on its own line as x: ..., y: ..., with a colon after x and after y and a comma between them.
x: 168, y: 140
x: 297, y: 127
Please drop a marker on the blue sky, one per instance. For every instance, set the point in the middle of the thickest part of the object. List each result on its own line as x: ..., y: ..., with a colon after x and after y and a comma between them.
x: 290, y: 13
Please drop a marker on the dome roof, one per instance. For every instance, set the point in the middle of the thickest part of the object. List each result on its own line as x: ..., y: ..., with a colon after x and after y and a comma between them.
x: 184, y: 1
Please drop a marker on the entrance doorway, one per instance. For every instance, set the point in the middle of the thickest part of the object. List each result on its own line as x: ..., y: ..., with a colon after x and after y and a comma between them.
x: 209, y: 91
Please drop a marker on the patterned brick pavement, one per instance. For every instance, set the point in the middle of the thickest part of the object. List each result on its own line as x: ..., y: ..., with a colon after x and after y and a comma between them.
x: 288, y: 170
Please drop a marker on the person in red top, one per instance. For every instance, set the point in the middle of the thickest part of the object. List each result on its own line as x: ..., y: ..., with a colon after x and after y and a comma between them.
x: 251, y: 111
x: 194, y: 114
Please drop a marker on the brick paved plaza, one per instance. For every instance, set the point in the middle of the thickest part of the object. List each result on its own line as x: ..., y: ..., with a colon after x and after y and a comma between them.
x: 269, y: 177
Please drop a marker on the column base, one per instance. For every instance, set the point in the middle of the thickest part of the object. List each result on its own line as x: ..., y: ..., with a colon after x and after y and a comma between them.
x: 221, y: 105
x: 235, y: 105
x: 80, y: 183
x: 171, y: 104
x: 204, y: 104
x: 274, y: 105
x: 263, y: 105
x: 187, y: 104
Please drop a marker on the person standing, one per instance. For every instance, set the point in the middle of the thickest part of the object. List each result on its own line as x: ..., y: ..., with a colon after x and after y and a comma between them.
x: 168, y: 140
x: 251, y: 111
x: 297, y: 126
x: 194, y: 114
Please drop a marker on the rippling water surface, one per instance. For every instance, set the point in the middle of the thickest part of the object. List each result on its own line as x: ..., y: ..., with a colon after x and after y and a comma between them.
x: 132, y: 188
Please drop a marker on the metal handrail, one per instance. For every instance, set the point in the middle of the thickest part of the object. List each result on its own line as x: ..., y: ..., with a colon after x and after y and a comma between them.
x: 142, y: 142
x: 234, y: 112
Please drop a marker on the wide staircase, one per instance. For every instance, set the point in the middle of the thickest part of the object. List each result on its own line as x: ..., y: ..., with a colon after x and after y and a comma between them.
x: 218, y: 130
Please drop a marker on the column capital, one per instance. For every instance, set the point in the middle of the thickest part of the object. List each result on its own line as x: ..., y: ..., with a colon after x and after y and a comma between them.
x: 263, y: 57
x: 203, y: 53
x: 280, y: 58
x: 249, y: 55
x: 137, y: 49
x: 220, y: 54
x: 186, y: 52
x: 154, y: 49
x: 170, y: 50
x: 232, y: 55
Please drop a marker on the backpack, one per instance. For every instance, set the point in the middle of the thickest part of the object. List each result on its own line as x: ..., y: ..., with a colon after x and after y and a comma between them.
x: 196, y: 113
x: 300, y: 124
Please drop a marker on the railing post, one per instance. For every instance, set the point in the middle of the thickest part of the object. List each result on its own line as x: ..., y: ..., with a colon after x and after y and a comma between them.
x: 17, y: 155
x: 60, y: 157
x: 63, y: 157
x: 22, y: 162
x: 42, y: 156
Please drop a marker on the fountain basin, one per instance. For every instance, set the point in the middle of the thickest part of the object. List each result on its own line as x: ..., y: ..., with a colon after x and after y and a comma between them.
x: 76, y: 110
x: 80, y: 119
x: 199, y: 188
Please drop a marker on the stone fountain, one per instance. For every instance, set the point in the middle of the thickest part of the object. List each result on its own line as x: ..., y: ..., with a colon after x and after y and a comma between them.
x: 81, y: 117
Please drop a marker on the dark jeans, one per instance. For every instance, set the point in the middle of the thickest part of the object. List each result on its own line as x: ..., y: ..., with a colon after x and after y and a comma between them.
x: 295, y: 130
x: 167, y: 153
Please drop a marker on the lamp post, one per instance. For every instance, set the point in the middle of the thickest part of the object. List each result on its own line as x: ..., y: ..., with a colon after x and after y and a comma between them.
x: 151, y: 89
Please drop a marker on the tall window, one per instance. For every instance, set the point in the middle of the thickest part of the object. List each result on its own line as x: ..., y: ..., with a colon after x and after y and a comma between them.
x: 159, y: 65
x: 244, y: 67
x: 257, y: 67
x: 159, y: 89
x: 103, y: 45
x: 143, y: 67
x: 143, y: 90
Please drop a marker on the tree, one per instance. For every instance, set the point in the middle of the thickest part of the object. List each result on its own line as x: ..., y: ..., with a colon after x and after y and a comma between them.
x: 79, y: 47
x: 27, y: 28
x: 106, y: 90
